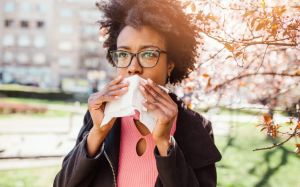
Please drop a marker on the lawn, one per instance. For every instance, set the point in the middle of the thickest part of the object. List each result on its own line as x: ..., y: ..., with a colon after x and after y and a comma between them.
x: 240, y: 166
x: 41, y: 102
x: 34, y: 177
x: 37, y: 101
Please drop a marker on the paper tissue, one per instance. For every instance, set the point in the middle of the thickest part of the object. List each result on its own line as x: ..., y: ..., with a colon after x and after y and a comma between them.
x: 129, y: 102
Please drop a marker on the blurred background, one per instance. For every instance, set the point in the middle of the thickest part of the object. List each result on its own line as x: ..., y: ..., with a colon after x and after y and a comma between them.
x: 246, y: 82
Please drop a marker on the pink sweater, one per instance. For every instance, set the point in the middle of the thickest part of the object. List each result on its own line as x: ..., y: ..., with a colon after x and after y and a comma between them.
x: 135, y: 170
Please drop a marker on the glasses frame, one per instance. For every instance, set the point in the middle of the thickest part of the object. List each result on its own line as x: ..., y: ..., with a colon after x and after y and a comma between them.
x: 132, y: 55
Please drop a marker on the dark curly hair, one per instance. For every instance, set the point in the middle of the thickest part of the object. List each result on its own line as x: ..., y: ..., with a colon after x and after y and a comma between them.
x: 165, y: 16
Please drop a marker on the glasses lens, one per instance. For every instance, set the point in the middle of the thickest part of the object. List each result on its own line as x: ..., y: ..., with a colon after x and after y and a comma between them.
x: 121, y: 58
x: 148, y: 58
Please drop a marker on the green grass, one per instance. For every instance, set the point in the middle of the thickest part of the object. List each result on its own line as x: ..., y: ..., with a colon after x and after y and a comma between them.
x: 49, y: 113
x: 16, y: 87
x: 33, y: 177
x: 239, y: 167
x: 242, y: 167
x: 36, y: 101
x: 39, y: 102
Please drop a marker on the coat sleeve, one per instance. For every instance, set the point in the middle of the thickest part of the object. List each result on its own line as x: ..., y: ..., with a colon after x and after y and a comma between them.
x: 77, y: 167
x: 174, y: 170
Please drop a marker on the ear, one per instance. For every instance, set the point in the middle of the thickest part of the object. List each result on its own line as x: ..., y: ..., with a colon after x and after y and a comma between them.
x: 171, y: 66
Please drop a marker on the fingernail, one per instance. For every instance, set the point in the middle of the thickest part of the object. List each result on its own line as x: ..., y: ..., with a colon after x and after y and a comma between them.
x: 149, y: 80
x: 144, y: 109
x: 142, y: 88
x: 142, y: 82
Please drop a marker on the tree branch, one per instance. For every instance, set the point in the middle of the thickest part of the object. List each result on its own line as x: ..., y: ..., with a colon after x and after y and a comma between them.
x: 279, y: 144
x: 253, y: 74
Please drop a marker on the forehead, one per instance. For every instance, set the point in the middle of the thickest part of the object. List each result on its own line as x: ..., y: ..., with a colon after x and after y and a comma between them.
x: 135, y: 38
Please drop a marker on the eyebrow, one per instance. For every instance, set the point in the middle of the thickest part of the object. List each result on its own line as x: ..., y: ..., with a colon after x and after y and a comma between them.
x: 141, y: 48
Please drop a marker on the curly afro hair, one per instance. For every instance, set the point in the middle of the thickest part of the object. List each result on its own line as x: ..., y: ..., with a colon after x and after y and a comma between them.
x: 165, y: 16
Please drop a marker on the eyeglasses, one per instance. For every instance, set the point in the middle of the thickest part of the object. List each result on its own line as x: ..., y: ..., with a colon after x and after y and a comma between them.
x: 146, y: 58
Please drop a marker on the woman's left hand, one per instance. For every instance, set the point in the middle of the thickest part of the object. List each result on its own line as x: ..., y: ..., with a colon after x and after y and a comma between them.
x: 164, y: 108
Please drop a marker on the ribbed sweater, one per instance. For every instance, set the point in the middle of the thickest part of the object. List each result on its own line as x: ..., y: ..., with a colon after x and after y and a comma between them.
x: 135, y: 170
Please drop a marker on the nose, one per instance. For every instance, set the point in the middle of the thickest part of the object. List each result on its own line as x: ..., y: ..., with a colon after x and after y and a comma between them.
x: 135, y: 67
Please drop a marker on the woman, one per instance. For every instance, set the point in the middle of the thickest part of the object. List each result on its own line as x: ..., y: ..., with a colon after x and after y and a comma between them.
x: 157, y: 41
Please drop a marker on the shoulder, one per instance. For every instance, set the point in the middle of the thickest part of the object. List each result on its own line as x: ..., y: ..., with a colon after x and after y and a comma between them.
x: 199, y: 119
x: 194, y: 136
x: 87, y: 118
x: 192, y: 117
x: 86, y: 127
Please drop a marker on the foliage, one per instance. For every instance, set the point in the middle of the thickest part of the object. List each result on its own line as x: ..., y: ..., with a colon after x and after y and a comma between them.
x: 250, y: 53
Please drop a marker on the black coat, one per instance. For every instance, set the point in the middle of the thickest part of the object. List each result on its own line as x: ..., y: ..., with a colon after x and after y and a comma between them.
x: 190, y: 164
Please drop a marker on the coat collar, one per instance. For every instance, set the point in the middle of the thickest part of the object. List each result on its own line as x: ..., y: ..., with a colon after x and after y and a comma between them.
x: 190, y: 135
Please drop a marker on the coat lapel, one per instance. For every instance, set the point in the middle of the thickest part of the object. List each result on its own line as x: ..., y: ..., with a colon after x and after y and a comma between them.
x: 112, y: 144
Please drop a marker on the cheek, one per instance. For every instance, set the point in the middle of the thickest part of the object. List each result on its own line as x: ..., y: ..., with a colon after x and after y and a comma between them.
x: 122, y: 71
x: 158, y: 74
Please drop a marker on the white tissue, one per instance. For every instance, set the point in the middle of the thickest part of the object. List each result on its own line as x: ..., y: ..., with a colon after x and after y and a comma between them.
x: 128, y: 103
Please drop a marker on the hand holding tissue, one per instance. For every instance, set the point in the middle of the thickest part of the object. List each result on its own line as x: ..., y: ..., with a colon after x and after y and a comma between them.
x: 128, y: 103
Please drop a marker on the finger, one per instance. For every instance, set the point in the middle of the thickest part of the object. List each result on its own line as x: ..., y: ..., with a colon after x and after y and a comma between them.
x: 146, y: 94
x: 108, y: 98
x: 116, y: 80
x: 118, y: 92
x: 100, y: 98
x: 153, y: 96
x: 157, y: 88
x: 118, y: 86
x: 159, y: 97
x: 170, y: 109
x: 161, y: 92
x: 150, y: 106
x: 158, y: 106
x: 110, y: 88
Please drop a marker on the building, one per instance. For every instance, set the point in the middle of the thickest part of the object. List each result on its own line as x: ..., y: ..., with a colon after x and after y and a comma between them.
x: 51, y: 43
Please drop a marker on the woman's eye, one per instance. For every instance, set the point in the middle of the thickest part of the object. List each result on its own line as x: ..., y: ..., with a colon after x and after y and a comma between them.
x: 149, y: 54
x: 122, y: 55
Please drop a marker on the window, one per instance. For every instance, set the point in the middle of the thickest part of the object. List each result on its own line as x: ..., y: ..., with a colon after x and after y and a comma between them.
x: 91, y: 62
x: 41, y: 8
x: 65, y: 61
x: 8, y: 57
x: 8, y: 23
x: 8, y: 40
x: 65, y: 46
x: 24, y: 24
x: 90, y: 30
x: 24, y: 41
x: 9, y: 7
x: 65, y: 29
x: 25, y: 7
x: 39, y: 41
x: 40, y: 24
x: 67, y: 13
x: 39, y: 58
x: 22, y: 58
x: 90, y: 14
x: 91, y: 46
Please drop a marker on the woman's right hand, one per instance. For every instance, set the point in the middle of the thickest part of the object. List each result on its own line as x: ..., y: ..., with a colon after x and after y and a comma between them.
x: 97, y: 102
